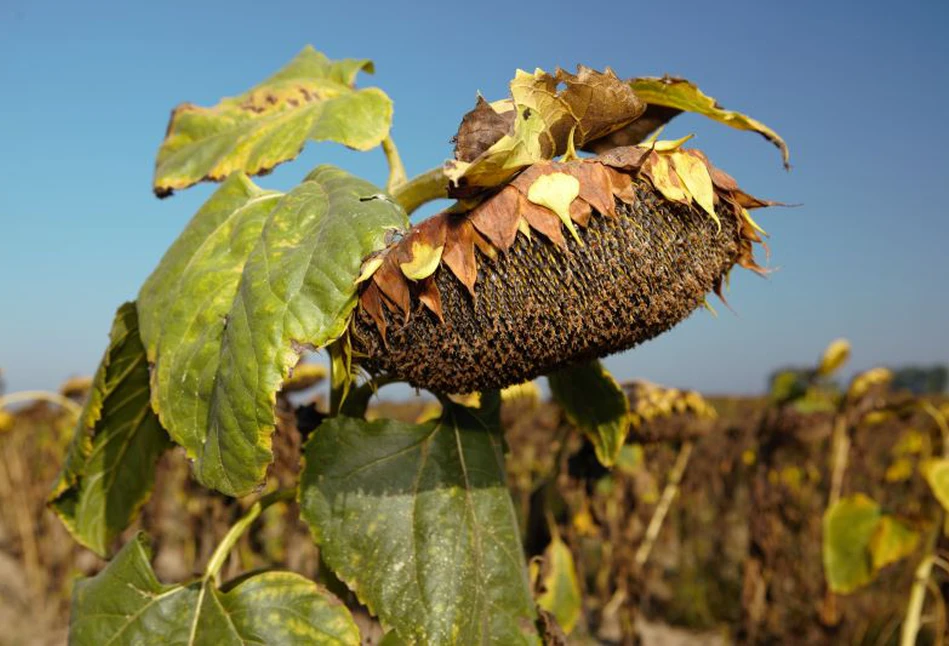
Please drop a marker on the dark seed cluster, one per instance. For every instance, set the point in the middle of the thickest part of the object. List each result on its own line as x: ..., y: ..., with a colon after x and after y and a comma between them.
x: 539, y: 307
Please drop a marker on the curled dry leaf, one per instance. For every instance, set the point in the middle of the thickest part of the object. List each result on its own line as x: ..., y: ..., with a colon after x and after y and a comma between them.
x: 509, y: 296
x: 497, y: 140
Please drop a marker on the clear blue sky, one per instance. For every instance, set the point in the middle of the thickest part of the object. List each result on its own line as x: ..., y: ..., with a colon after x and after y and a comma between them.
x: 858, y: 89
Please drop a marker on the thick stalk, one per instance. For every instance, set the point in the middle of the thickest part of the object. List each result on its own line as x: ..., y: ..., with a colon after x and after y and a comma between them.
x: 430, y: 185
x: 237, y: 530
x: 397, y: 176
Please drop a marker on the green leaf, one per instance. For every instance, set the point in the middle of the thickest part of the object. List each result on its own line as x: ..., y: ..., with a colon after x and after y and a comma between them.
x: 417, y: 520
x: 562, y: 596
x: 254, y: 279
x: 849, y: 527
x: 126, y: 604
x: 109, y: 469
x: 681, y: 94
x: 595, y: 403
x: 936, y: 473
x: 893, y: 540
x: 311, y: 98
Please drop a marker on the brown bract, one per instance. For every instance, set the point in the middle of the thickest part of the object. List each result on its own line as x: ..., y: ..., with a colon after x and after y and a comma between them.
x: 586, y: 187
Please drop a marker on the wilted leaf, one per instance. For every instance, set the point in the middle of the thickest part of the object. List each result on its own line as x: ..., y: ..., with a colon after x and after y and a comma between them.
x: 417, y: 520
x: 893, y: 540
x: 595, y: 403
x: 561, y: 595
x: 253, y: 280
x: 591, y: 105
x: 937, y: 475
x: 835, y: 356
x: 126, y: 604
x: 109, y: 469
x: 425, y: 259
x: 311, y: 98
x: 849, y: 527
x: 680, y: 94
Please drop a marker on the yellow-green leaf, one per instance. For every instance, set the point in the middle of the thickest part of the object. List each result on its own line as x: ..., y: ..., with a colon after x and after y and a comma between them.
x: 849, y: 527
x: 561, y: 594
x: 893, y: 540
x: 835, y: 356
x: 681, y: 94
x: 312, y: 98
x: 557, y: 191
x: 937, y: 475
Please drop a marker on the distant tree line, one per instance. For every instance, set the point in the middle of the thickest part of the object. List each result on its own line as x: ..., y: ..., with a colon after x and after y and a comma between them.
x: 919, y: 380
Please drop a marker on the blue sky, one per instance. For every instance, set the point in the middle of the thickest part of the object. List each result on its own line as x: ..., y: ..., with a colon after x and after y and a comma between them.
x: 858, y: 89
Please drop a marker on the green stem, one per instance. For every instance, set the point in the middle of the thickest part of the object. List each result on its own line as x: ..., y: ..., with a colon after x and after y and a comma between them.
x: 41, y: 395
x: 430, y: 185
x: 237, y: 530
x: 397, y: 176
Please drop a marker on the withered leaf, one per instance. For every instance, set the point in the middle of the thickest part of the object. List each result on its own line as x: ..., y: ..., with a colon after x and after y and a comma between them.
x: 371, y: 302
x: 591, y: 105
x: 480, y: 129
x: 651, y: 120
